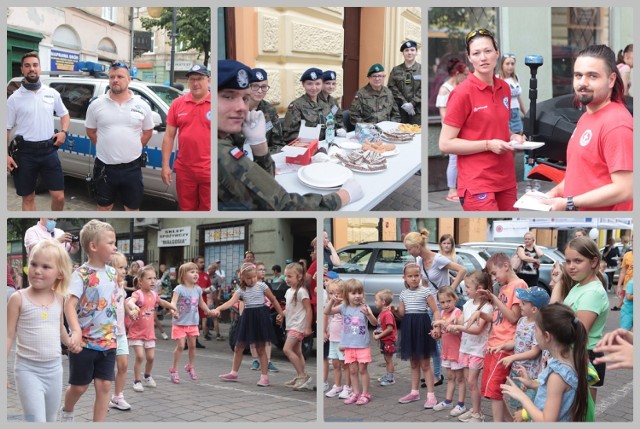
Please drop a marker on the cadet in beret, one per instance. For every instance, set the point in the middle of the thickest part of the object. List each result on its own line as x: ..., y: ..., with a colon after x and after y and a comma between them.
x: 374, y: 102
x: 259, y: 85
x: 328, y: 88
x: 405, y: 82
x: 250, y: 185
x: 307, y: 107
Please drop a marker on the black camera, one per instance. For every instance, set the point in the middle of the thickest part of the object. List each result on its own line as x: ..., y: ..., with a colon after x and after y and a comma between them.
x: 75, y: 238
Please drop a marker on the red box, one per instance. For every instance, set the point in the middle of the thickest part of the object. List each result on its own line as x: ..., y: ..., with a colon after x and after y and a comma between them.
x: 298, y: 145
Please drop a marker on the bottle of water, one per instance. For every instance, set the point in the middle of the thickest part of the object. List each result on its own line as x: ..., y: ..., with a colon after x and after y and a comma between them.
x: 330, y: 134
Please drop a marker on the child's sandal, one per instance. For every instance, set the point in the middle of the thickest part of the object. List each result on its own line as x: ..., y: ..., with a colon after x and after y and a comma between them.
x: 175, y: 378
x: 363, y: 399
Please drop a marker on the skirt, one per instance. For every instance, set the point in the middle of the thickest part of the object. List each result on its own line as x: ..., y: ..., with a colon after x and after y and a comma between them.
x: 415, y: 341
x: 255, y: 327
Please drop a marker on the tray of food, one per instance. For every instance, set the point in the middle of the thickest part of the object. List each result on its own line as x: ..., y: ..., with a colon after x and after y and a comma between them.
x: 364, y: 161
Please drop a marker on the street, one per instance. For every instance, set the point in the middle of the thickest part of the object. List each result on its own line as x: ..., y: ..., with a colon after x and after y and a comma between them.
x: 205, y: 400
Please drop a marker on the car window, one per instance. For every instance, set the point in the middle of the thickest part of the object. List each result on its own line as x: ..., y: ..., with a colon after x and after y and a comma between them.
x: 544, y: 259
x: 391, y: 261
x: 166, y: 93
x: 75, y: 97
x: 353, y: 261
x: 151, y: 104
x: 469, y: 262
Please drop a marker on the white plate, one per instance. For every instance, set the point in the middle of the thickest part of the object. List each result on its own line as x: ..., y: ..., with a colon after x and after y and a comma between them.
x: 388, y: 126
x: 526, y: 145
x: 348, y: 145
x: 370, y: 172
x: 324, y: 175
x: 395, y: 141
x: 389, y: 153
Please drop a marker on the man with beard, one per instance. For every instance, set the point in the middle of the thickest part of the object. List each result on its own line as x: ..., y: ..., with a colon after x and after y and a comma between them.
x: 600, y: 152
x: 30, y: 110
x: 119, y: 123
x: 191, y: 115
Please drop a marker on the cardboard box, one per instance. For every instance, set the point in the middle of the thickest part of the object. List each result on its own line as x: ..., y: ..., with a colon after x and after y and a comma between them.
x: 304, y: 146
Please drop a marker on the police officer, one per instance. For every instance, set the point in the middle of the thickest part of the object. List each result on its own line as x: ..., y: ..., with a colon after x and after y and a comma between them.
x: 374, y: 102
x: 119, y: 123
x: 191, y: 115
x: 250, y: 185
x: 405, y: 82
x: 30, y: 111
x: 307, y: 106
x: 329, y: 85
x: 259, y: 85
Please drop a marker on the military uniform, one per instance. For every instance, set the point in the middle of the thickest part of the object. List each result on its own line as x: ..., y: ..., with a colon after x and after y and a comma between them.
x: 250, y: 185
x: 406, y: 83
x: 272, y: 126
x: 334, y: 108
x: 371, y: 106
x: 303, y: 108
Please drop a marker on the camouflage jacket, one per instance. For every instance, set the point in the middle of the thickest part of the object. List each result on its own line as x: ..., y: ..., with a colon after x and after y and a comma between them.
x: 334, y: 108
x: 404, y: 85
x: 250, y: 185
x: 303, y: 108
x: 373, y: 107
x: 272, y: 126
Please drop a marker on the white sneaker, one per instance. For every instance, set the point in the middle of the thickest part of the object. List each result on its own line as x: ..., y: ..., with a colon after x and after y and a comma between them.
x: 303, y: 383
x: 335, y: 391
x: 346, y: 392
x: 119, y: 403
x: 149, y: 382
x: 164, y: 336
x: 138, y: 387
x: 464, y: 417
x: 442, y: 406
x: 476, y: 418
x: 325, y: 387
x: 66, y: 416
x: 457, y: 410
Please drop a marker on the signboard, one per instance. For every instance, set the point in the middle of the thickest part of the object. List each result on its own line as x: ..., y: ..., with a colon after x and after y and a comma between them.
x: 173, y: 237
x: 219, y: 235
x: 63, y: 61
x: 142, y: 41
x: 510, y: 228
x: 178, y: 65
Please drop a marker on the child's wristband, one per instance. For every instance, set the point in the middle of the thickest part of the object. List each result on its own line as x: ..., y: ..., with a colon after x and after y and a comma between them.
x: 525, y: 416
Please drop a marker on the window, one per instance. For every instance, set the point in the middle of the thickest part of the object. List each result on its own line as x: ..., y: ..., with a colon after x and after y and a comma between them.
x: 154, y: 107
x: 353, y: 261
x: 109, y: 13
x: 75, y: 97
x: 391, y: 261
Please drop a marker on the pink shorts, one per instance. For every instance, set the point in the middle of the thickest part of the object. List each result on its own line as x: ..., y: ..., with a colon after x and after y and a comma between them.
x: 181, y: 331
x: 147, y: 344
x: 357, y: 355
x: 471, y: 361
x: 493, y: 375
x: 452, y: 364
x: 292, y: 333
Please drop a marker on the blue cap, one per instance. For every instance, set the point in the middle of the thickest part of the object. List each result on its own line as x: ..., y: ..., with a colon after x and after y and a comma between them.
x: 233, y: 75
x: 259, y: 75
x: 331, y: 274
x: 328, y: 75
x: 408, y: 44
x: 199, y: 69
x: 311, y: 74
x: 535, y: 295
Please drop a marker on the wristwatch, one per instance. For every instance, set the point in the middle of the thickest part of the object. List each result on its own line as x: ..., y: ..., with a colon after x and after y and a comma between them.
x: 570, y: 206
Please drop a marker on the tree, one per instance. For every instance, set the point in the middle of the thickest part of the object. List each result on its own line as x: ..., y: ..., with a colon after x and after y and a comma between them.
x: 193, y: 28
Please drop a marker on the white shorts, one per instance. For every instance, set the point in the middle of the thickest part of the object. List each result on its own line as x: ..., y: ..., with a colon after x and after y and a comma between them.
x: 452, y: 364
x: 147, y: 344
x: 334, y: 351
x: 123, y: 345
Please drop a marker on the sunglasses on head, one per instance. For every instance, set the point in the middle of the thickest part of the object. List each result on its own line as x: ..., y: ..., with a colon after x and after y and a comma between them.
x: 478, y: 32
x: 118, y: 64
x: 509, y: 56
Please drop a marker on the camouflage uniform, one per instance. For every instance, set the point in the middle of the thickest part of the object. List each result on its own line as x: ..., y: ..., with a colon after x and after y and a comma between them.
x: 406, y: 88
x: 371, y: 106
x: 303, y: 108
x: 273, y: 127
x: 334, y: 108
x: 250, y: 185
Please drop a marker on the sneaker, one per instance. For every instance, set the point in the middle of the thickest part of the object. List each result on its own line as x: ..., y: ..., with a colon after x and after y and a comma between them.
x: 228, y: 377
x: 335, y: 391
x: 272, y: 367
x: 440, y: 381
x: 175, y: 378
x: 164, y: 336
x: 387, y: 381
x: 119, y: 403
x: 138, y: 387
x: 430, y: 402
x: 255, y: 365
x: 457, y: 410
x: 411, y: 397
x: 291, y: 382
x: 219, y: 337
x: 149, y: 382
x: 192, y: 372
x: 615, y: 308
x: 303, y: 382
x: 199, y: 346
x: 208, y: 336
x: 536, y: 185
x: 352, y: 399
x: 264, y: 381
x: 325, y: 386
x: 464, y: 417
x: 346, y: 392
x: 442, y: 406
x: 475, y: 418
x: 66, y: 416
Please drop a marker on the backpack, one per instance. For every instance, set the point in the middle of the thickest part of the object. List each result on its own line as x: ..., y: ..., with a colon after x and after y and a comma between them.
x: 516, y: 262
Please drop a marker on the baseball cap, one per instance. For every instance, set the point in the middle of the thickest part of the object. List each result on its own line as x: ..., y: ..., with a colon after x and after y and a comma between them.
x: 535, y: 295
x: 331, y: 274
x: 199, y: 69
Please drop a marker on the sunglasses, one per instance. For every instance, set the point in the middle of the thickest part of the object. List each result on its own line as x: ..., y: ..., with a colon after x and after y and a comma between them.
x: 509, y: 56
x: 478, y: 32
x: 118, y: 64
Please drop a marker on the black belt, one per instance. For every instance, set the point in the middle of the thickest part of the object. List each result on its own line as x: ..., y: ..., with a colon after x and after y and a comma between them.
x: 135, y: 163
x: 39, y: 146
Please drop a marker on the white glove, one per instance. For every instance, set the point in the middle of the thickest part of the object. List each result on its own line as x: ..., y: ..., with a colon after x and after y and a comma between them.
x: 341, y: 132
x: 253, y: 128
x: 353, y: 188
x: 408, y: 107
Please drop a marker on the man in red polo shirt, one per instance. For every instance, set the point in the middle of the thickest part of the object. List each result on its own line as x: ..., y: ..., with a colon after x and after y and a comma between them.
x: 191, y: 115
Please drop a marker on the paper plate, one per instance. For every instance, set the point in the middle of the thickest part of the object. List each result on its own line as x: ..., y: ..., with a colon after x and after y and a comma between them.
x: 526, y: 145
x: 325, y: 175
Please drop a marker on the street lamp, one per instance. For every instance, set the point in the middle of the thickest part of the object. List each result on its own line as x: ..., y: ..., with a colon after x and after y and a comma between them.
x: 156, y: 12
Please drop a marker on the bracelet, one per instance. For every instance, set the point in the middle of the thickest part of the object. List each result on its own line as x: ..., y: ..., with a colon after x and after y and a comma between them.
x: 525, y: 415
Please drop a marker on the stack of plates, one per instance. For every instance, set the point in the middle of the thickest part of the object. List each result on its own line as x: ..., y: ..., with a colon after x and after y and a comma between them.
x: 325, y: 175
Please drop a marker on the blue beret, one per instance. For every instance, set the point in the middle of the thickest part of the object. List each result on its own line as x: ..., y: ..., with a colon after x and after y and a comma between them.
x: 311, y: 74
x: 329, y: 75
x: 408, y: 44
x: 233, y: 75
x: 375, y: 69
x: 259, y: 75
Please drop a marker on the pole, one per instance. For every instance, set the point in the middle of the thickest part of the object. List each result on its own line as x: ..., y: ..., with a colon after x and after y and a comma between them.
x: 174, y: 13
x: 131, y: 34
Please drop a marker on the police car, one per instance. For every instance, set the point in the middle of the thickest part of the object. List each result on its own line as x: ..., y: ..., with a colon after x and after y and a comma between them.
x: 77, y: 154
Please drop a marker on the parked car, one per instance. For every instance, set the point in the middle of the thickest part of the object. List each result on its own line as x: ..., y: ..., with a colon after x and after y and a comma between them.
x: 550, y: 256
x: 378, y: 265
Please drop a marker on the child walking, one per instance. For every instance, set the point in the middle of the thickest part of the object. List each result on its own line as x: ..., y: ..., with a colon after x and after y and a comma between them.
x: 254, y: 325
x: 386, y: 333
x: 34, y: 320
x: 451, y: 340
x: 562, y: 393
x: 355, y: 337
x: 261, y: 271
x: 142, y: 333
x: 474, y: 339
x: 187, y: 298
x: 334, y: 330
x: 417, y: 340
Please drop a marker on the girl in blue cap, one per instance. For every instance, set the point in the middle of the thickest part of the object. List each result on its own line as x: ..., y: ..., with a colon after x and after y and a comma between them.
x: 308, y: 106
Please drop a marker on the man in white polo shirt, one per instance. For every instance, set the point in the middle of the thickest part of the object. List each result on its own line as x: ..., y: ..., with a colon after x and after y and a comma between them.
x: 30, y: 111
x: 119, y: 123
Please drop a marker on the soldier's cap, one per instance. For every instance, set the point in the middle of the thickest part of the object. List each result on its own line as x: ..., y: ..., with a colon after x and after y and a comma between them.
x: 375, y: 69
x: 233, y: 75
x: 535, y: 295
x: 311, y: 74
x: 259, y: 75
x: 408, y: 44
x: 198, y: 69
x: 328, y: 75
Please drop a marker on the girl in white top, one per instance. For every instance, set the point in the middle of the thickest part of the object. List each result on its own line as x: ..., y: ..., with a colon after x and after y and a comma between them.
x: 35, y: 321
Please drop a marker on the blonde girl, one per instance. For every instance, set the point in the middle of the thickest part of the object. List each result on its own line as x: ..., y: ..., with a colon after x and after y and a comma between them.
x: 261, y: 271
x: 142, y: 333
x: 355, y: 337
x: 34, y: 320
x: 334, y: 327
x: 187, y: 297
x: 254, y: 326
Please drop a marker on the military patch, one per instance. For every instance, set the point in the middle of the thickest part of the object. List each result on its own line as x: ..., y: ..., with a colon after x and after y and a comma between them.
x: 236, y: 153
x: 260, y: 76
x: 314, y: 76
x: 242, y: 78
x: 333, y: 76
x: 268, y: 126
